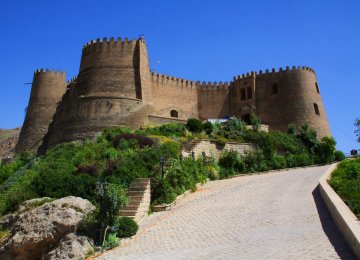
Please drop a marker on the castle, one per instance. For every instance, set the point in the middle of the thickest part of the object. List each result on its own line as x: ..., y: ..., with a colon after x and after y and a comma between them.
x: 115, y: 87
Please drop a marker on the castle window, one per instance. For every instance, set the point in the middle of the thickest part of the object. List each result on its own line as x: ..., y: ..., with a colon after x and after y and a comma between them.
x: 174, y: 113
x: 316, y: 108
x: 243, y: 94
x: 317, y: 87
x: 275, y: 89
x: 249, y: 93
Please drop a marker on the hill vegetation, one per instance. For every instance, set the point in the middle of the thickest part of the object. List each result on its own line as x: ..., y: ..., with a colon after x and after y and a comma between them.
x: 120, y: 155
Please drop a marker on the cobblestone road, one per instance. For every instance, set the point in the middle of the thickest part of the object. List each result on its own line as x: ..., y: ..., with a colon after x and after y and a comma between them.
x: 277, y: 215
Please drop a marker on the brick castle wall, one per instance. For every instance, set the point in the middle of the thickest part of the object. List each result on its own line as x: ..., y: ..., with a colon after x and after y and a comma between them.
x: 114, y: 87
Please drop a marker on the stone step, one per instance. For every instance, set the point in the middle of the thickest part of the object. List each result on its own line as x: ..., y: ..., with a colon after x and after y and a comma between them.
x: 130, y: 207
x: 135, y: 193
x: 128, y: 213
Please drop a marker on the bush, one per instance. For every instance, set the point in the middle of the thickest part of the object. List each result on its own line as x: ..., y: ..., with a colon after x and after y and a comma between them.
x: 213, y: 173
x: 194, y: 125
x: 89, y: 225
x: 111, y: 241
x: 326, y: 150
x: 126, y: 227
x: 207, y: 127
x: 345, y: 180
x: 231, y: 163
x: 339, y: 156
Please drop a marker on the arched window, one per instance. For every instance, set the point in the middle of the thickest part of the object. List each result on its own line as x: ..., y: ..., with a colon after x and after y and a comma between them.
x: 174, y: 113
x: 316, y: 108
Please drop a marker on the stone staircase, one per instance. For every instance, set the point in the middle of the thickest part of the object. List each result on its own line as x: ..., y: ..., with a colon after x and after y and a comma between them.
x: 139, y: 200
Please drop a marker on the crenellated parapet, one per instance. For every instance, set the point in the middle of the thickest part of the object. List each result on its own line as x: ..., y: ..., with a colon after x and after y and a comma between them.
x: 170, y: 79
x: 72, y: 80
x: 213, y: 85
x: 99, y: 44
x: 166, y: 79
x: 53, y: 72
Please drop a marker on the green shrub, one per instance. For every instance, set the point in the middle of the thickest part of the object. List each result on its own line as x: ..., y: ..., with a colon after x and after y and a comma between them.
x: 115, y: 199
x: 292, y: 129
x: 213, y: 173
x: 326, y: 149
x: 207, y: 127
x: 126, y: 227
x: 231, y: 163
x: 89, y: 225
x: 339, y: 156
x: 278, y: 162
x: 345, y: 180
x: 194, y: 125
x: 111, y: 241
x: 255, y: 122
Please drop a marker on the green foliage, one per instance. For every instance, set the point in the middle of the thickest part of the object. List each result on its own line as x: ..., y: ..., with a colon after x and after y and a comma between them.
x: 169, y: 130
x: 231, y: 163
x: 213, y: 172
x: 308, y: 137
x: 126, y: 227
x: 111, y: 241
x: 207, y: 127
x: 115, y: 199
x: 357, y: 130
x: 326, y: 150
x: 194, y: 125
x: 345, y: 180
x: 339, y: 156
x: 255, y: 122
x: 180, y: 175
x: 292, y: 129
x: 89, y: 225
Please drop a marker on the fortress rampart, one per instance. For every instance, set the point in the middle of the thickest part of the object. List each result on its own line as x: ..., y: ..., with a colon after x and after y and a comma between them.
x: 115, y: 87
x: 47, y: 90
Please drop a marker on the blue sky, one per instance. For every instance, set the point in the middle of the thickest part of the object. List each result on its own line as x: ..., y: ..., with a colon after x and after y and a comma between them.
x: 199, y: 40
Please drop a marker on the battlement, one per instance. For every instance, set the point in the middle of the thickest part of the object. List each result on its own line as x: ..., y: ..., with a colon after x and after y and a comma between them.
x: 214, y: 85
x: 273, y: 72
x: 72, y: 80
x: 190, y: 83
x: 180, y: 81
x: 110, y: 42
x: 57, y: 72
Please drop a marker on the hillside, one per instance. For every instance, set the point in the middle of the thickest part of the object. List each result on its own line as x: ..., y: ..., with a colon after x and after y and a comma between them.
x: 8, y: 140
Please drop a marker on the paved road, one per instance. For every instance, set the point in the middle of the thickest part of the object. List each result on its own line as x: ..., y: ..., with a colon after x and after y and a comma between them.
x: 277, y: 215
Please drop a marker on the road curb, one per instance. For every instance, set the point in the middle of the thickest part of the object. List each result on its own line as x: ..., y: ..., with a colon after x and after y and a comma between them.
x: 345, y: 220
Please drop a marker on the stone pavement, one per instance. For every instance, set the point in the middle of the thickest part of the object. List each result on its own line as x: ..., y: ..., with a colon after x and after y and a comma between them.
x: 277, y: 215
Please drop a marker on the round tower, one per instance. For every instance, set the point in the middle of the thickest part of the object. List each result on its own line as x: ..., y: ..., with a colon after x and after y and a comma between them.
x: 113, y: 88
x: 46, y: 91
x: 291, y: 96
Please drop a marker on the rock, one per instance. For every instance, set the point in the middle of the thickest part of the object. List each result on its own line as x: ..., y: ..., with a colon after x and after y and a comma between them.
x: 71, y: 247
x: 37, y: 231
x: 33, y: 203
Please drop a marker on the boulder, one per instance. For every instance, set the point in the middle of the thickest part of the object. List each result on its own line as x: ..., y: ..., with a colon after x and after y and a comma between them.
x: 37, y: 231
x: 71, y: 247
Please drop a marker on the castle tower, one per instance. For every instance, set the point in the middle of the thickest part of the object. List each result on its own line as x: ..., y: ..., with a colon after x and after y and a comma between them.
x: 46, y: 91
x: 113, y: 88
x: 291, y: 96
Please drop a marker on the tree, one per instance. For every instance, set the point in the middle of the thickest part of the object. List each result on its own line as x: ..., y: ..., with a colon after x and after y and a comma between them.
x: 357, y: 131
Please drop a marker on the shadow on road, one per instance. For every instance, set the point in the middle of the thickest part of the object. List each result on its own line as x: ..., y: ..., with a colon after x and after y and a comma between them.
x: 330, y: 229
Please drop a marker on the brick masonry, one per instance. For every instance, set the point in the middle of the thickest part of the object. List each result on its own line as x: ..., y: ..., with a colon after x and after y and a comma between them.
x: 115, y: 87
x: 213, y: 150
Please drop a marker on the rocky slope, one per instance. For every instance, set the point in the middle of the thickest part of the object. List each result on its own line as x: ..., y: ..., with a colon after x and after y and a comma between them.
x: 8, y: 140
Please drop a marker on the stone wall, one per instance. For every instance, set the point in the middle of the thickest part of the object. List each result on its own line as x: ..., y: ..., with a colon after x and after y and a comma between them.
x: 47, y: 90
x: 173, y: 94
x: 211, y: 149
